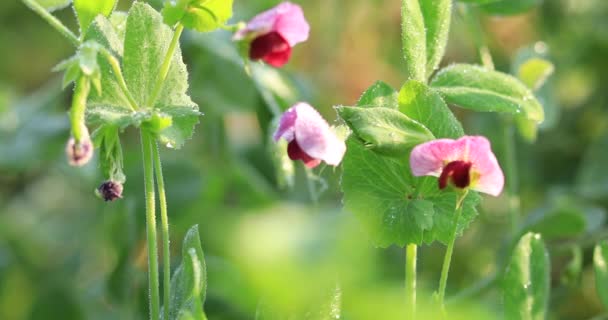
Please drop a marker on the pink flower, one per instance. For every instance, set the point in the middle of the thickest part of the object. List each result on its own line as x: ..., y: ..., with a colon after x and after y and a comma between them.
x: 467, y: 162
x: 310, y: 137
x: 274, y: 33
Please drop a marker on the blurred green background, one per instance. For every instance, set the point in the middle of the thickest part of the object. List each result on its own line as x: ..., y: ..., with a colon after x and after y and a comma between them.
x: 65, y: 254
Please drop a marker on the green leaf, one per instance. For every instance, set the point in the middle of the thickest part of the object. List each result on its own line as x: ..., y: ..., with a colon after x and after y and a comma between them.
x: 413, y: 38
x: 52, y: 5
x: 527, y: 280
x: 385, y: 197
x: 556, y: 221
x: 476, y: 88
x: 437, y: 15
x: 534, y: 72
x: 102, y: 32
x: 146, y: 41
x: 600, y: 262
x: 424, y: 105
x: 509, y: 7
x: 200, y: 15
x: 425, y: 26
x: 189, y: 281
x: 87, y: 10
x: 384, y: 130
x: 379, y: 94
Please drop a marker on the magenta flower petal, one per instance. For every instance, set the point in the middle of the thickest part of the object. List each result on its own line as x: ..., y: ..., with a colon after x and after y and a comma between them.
x: 451, y: 159
x: 310, y: 136
x: 287, y: 19
x: 272, y: 48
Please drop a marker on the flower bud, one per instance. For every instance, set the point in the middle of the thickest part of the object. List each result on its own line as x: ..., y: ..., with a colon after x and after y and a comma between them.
x: 110, y: 190
x: 79, y: 153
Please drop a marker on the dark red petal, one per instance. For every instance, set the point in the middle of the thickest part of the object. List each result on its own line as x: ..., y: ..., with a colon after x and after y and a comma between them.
x: 296, y: 153
x: 272, y: 48
x: 458, y: 172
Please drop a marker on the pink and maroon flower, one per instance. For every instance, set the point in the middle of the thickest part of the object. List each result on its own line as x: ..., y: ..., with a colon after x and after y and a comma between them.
x: 467, y: 163
x: 274, y: 32
x: 310, y: 137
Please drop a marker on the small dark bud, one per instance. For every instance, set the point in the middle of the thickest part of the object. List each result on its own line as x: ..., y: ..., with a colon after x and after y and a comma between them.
x: 80, y: 153
x: 110, y: 190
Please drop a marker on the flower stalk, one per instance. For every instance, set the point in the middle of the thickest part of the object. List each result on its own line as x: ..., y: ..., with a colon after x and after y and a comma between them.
x: 449, y: 251
x: 411, y: 252
x: 146, y: 142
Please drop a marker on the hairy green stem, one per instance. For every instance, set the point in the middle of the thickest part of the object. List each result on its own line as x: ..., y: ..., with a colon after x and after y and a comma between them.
x: 54, y: 22
x: 77, y: 111
x: 164, y: 69
x: 450, y: 250
x: 118, y: 74
x: 164, y: 220
x: 146, y: 142
x: 411, y: 252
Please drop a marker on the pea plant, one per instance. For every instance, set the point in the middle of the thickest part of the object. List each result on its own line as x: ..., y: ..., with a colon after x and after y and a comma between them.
x: 409, y: 172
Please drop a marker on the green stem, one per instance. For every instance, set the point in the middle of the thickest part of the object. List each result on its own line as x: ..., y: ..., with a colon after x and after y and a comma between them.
x: 146, y: 143
x: 448, y: 254
x: 54, y: 22
x: 118, y: 74
x: 471, y: 17
x: 164, y: 220
x: 411, y: 252
x: 164, y: 69
x: 77, y: 111
x: 511, y: 175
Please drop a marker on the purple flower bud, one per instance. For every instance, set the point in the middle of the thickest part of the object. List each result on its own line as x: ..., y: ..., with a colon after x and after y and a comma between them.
x: 110, y: 190
x: 80, y: 153
x: 274, y: 32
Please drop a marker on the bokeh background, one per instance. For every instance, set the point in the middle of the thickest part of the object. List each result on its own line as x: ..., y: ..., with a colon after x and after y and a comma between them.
x: 65, y: 254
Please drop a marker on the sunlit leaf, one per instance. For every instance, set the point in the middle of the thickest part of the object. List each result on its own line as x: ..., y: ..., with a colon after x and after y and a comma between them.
x: 600, y: 262
x: 189, y: 281
x: 146, y: 41
x: 424, y: 105
x: 380, y: 94
x: 425, y: 27
x: 87, y: 10
x: 479, y: 89
x: 200, y: 15
x: 527, y: 280
x: 384, y: 130
x: 384, y: 195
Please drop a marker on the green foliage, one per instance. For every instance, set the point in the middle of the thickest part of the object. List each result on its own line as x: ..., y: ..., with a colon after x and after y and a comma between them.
x: 384, y: 130
x: 52, y: 5
x: 394, y: 206
x: 107, y: 141
x: 425, y: 27
x: 424, y: 105
x: 87, y: 10
x: 145, y: 44
x: 509, y: 7
x: 527, y: 282
x: 600, y: 262
x: 380, y: 94
x: 476, y: 88
x: 189, y: 281
x: 82, y: 64
x: 534, y: 72
x: 200, y: 15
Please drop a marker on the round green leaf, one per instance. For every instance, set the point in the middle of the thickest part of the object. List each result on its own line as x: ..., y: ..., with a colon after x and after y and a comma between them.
x: 87, y: 10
